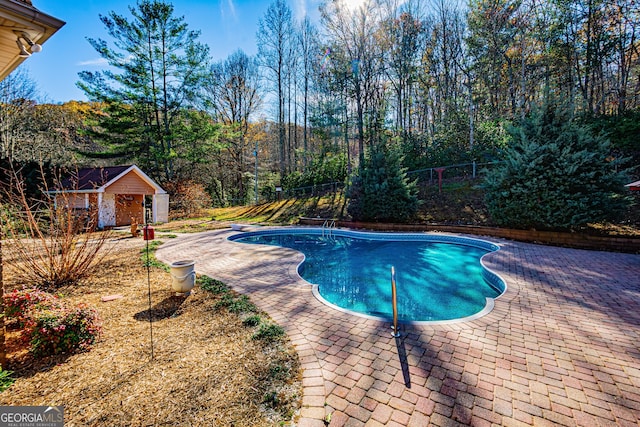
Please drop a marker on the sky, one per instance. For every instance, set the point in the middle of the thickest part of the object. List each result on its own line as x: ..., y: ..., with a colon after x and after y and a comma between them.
x: 226, y: 26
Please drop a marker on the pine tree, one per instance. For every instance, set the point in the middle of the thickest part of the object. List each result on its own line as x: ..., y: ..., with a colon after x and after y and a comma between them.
x: 382, y: 191
x: 157, y: 70
x: 557, y: 175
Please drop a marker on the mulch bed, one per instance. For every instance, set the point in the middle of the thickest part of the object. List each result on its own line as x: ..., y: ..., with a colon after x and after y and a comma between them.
x: 206, y: 368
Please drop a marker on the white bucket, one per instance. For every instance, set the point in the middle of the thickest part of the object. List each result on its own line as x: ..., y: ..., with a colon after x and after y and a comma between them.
x: 183, y: 275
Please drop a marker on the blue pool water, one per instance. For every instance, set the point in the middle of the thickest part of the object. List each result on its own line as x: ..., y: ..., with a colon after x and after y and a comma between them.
x: 438, y: 278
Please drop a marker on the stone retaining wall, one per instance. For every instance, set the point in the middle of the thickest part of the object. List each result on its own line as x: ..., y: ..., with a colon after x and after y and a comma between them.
x: 555, y: 238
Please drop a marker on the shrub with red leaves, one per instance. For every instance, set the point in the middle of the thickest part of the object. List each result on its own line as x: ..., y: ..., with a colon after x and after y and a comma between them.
x: 52, y: 326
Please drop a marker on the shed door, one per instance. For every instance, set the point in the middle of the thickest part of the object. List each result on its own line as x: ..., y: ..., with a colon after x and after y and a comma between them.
x: 128, y: 206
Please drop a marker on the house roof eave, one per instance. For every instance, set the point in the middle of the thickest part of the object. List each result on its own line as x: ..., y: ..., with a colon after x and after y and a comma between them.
x: 87, y: 191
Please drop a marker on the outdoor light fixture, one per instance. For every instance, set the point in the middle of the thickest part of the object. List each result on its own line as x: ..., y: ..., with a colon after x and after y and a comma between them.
x: 23, y: 51
x: 35, y: 47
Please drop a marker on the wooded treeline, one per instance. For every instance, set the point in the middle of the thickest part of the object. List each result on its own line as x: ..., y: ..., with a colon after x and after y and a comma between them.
x: 437, y: 80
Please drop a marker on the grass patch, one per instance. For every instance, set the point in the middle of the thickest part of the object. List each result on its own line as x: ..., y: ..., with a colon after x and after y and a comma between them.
x: 236, y: 304
x: 224, y: 302
x: 251, y: 321
x: 271, y: 398
x: 286, y: 211
x: 278, y: 371
x: 269, y: 332
x: 212, y: 285
x: 148, y: 256
x: 242, y: 304
x: 6, y: 380
x: 192, y: 225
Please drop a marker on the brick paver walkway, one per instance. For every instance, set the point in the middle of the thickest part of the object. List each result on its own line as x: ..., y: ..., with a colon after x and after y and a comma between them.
x: 561, y: 347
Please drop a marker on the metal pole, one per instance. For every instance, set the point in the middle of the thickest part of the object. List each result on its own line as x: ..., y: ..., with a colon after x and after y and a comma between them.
x: 148, y: 262
x: 255, y: 153
x: 394, y: 303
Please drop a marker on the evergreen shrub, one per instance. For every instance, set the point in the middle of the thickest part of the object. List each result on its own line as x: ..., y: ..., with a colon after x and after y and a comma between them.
x: 382, y: 192
x: 557, y: 175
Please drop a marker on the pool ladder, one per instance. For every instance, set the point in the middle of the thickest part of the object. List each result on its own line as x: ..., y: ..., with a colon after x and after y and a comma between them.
x: 328, y: 228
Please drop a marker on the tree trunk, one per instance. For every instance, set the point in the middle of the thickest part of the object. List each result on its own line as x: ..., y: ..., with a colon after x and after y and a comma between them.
x: 3, y: 354
x: 305, y: 120
x: 360, y: 120
x: 281, y: 130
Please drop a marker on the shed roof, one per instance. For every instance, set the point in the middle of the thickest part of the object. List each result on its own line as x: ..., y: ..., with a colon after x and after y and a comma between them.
x: 91, y: 178
x: 97, y: 179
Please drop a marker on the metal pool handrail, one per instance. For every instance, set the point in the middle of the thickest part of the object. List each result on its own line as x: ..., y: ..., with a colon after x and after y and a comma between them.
x: 394, y: 303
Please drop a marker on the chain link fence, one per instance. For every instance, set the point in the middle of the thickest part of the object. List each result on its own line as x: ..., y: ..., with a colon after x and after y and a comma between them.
x: 464, y: 171
x: 424, y: 177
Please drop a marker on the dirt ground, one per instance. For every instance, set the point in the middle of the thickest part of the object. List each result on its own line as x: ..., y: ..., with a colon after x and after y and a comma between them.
x: 206, y: 367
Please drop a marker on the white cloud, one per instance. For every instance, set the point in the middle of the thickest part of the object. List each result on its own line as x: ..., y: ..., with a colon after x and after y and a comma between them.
x: 306, y: 8
x: 353, y: 5
x: 299, y: 9
x: 98, y: 62
x: 230, y: 7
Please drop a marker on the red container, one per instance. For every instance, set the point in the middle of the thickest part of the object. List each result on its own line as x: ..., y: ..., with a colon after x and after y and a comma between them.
x: 148, y: 232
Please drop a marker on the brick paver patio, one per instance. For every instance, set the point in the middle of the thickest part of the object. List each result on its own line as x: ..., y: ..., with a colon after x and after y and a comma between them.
x: 561, y: 346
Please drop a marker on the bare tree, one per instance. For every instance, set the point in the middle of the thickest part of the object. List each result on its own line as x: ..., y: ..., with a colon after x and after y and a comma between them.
x: 492, y: 38
x: 233, y: 94
x: 308, y: 40
x: 55, y: 242
x: 18, y: 93
x: 353, y: 37
x: 233, y: 89
x: 274, y: 37
x: 404, y: 45
x: 627, y: 27
x: 291, y: 81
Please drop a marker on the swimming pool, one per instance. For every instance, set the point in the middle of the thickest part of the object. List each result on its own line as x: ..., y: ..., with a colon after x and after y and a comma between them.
x: 439, y: 278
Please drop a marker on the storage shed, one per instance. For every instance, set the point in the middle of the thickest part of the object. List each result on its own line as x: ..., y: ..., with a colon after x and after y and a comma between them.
x: 115, y: 195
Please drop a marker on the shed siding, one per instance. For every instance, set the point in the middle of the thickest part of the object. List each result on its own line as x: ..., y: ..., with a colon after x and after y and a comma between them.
x: 73, y: 200
x: 93, y: 208
x: 130, y: 184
